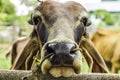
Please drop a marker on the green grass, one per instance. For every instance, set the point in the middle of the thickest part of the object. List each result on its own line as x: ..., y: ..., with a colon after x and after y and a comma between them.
x: 4, y: 63
x: 85, y: 67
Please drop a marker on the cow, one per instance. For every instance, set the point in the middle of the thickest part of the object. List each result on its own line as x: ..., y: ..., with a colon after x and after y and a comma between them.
x: 107, y: 43
x: 16, y: 50
x: 59, y: 39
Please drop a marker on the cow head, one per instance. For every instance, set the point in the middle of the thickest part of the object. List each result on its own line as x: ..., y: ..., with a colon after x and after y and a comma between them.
x: 59, y: 28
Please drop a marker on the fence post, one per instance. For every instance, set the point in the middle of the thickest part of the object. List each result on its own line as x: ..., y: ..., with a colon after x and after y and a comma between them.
x: 18, y: 74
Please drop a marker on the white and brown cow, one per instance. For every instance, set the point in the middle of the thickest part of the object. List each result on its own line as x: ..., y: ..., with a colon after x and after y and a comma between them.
x: 59, y: 31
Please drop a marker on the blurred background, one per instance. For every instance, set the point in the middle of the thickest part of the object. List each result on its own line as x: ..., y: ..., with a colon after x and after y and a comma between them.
x: 14, y: 16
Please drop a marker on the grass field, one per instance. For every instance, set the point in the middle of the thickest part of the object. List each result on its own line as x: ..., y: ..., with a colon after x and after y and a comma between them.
x: 4, y: 63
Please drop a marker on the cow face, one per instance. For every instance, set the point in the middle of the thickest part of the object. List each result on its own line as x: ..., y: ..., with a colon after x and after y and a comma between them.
x: 59, y: 27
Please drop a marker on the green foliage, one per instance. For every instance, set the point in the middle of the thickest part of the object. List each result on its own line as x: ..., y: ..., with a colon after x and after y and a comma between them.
x: 116, y: 18
x: 104, y: 16
x: 22, y: 19
x: 29, y: 2
x: 7, y: 12
x: 4, y: 63
x: 3, y: 16
x: 7, y: 7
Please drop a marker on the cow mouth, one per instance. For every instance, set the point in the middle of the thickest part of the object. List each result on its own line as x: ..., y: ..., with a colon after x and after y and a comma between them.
x: 61, y: 71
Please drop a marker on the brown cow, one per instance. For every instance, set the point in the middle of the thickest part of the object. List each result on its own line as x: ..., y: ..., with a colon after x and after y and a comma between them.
x: 59, y: 31
x: 107, y: 42
x: 16, y: 51
x: 16, y: 48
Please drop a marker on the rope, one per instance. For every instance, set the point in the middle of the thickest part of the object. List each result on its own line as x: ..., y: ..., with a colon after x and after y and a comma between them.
x: 77, y: 49
x: 39, y: 62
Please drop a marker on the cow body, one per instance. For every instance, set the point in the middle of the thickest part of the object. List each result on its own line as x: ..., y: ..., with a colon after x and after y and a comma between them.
x: 59, y: 33
x: 16, y: 51
x: 107, y: 42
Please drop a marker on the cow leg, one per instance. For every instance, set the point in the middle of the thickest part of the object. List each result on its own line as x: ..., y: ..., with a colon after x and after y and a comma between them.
x: 115, y: 67
x: 116, y: 58
x: 13, y: 52
x: 109, y: 65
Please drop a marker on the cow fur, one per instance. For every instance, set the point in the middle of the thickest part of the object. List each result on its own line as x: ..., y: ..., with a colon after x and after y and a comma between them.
x: 107, y: 42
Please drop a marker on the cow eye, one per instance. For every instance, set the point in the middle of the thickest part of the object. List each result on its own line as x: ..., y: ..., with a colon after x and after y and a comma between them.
x: 36, y: 20
x: 84, y: 21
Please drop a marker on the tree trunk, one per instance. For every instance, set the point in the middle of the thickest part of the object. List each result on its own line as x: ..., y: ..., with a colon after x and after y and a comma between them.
x: 19, y: 74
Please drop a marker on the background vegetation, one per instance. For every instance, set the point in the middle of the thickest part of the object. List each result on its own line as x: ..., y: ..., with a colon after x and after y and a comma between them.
x: 107, y: 18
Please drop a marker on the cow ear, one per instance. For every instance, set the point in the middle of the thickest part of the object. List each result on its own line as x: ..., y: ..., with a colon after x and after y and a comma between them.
x: 30, y: 21
x: 88, y: 58
x: 85, y: 21
x: 98, y: 62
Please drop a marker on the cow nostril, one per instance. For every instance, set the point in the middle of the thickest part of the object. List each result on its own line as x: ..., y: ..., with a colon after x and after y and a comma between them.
x: 50, y: 47
x: 72, y: 51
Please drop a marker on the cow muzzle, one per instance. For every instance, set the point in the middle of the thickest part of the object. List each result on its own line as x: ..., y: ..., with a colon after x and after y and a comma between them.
x: 64, y: 61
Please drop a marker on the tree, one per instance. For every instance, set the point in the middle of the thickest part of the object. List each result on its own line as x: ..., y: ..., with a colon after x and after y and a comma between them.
x: 7, y: 12
x: 104, y: 16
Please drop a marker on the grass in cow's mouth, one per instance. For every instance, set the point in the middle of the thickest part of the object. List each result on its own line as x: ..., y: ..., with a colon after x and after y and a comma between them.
x: 77, y: 49
x: 38, y: 61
